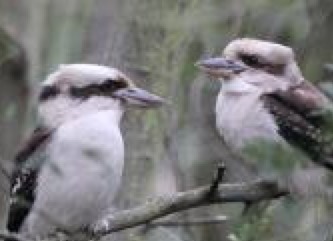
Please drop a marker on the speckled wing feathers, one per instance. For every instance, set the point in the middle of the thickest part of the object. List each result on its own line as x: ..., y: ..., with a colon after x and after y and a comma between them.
x: 299, y: 130
x: 24, y: 178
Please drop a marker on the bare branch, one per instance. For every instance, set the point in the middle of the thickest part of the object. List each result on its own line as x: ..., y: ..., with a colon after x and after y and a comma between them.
x: 239, y: 192
x: 12, y: 236
x: 192, y: 222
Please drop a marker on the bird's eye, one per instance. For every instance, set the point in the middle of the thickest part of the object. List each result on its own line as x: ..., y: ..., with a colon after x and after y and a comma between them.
x: 116, y: 84
x: 251, y: 60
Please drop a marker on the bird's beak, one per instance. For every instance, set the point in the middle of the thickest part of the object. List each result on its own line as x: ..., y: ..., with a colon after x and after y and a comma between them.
x: 221, y: 67
x: 139, y: 97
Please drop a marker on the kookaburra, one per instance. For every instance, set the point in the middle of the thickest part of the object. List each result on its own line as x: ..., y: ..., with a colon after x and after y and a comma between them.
x: 264, y: 96
x: 79, y: 112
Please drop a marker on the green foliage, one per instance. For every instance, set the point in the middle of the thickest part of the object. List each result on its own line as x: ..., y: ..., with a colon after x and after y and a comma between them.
x: 274, y: 157
x: 8, y: 48
x: 255, y: 226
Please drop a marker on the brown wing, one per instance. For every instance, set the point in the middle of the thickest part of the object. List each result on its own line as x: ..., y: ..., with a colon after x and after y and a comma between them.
x: 307, y: 100
x: 24, y: 178
x: 293, y: 114
x: 38, y: 137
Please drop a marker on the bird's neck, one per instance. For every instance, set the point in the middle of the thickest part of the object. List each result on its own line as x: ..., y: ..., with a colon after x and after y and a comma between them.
x: 238, y: 86
x: 54, y: 113
x: 241, y: 117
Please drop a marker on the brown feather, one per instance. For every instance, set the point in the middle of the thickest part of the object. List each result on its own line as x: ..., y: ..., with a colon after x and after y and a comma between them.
x: 305, y: 98
x: 24, y: 178
x: 299, y: 131
x: 37, y: 138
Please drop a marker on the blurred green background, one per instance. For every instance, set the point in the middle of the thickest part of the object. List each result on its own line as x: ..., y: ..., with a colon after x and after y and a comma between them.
x: 157, y: 42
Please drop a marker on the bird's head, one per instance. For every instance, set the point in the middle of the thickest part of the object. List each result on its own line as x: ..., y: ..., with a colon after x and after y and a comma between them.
x: 249, y: 64
x: 75, y: 90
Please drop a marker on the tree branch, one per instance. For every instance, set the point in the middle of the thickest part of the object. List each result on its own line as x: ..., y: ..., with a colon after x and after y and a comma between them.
x: 192, y: 222
x: 239, y: 192
x: 12, y: 236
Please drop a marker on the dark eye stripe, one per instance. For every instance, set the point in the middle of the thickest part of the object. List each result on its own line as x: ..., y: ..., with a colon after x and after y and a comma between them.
x: 48, y: 92
x: 103, y: 89
x: 259, y: 63
x: 252, y: 60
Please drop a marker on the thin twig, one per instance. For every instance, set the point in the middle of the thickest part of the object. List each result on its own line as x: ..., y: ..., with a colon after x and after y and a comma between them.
x: 219, y: 175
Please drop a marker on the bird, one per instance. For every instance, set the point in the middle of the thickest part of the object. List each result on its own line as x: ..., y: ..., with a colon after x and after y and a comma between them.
x: 265, y: 98
x: 69, y: 170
